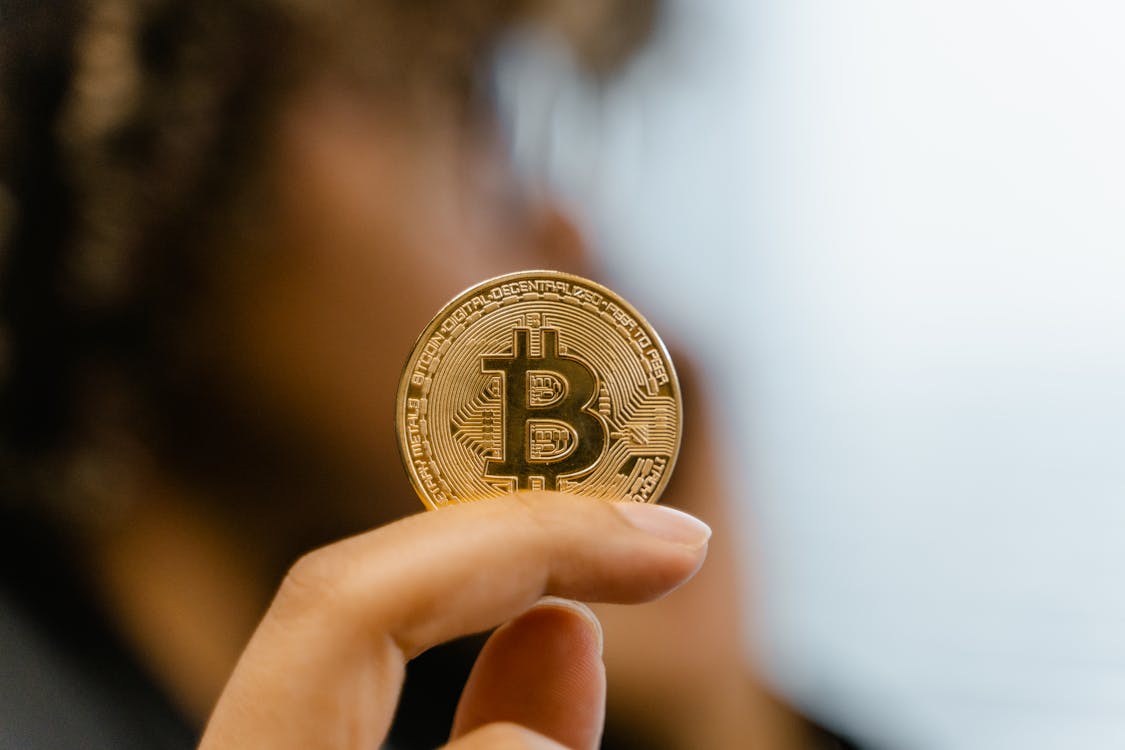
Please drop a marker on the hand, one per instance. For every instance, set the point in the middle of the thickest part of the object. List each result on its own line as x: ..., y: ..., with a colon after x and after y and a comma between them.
x: 326, y: 665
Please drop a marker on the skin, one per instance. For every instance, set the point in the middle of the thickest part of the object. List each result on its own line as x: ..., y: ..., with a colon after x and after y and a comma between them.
x: 327, y: 662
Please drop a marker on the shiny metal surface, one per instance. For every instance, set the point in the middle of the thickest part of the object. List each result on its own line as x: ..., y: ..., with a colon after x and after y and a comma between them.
x: 538, y: 380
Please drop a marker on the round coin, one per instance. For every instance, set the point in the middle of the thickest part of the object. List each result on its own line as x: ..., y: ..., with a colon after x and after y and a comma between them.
x: 538, y: 380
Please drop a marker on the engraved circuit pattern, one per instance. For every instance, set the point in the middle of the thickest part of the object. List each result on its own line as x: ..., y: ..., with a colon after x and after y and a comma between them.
x: 538, y: 380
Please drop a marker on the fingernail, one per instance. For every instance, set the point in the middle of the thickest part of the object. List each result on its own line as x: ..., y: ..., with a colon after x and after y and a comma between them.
x: 666, y: 523
x: 579, y: 609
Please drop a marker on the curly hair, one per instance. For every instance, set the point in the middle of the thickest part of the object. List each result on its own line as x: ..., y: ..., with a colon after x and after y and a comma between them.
x: 129, y: 131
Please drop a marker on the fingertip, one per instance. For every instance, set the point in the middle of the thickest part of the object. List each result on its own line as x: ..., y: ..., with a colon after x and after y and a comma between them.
x: 542, y: 670
x: 577, y: 608
x: 652, y: 549
x: 666, y: 523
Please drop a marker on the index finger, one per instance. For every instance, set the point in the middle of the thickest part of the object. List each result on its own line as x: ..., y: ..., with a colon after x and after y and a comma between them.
x: 330, y: 654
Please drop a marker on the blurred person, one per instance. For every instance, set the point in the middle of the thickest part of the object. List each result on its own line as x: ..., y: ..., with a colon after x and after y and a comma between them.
x: 224, y: 223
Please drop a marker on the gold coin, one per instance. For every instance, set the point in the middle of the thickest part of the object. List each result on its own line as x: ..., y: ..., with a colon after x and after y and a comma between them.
x: 538, y: 380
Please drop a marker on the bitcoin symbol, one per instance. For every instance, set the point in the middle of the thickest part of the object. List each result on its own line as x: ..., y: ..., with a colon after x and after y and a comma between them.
x: 538, y: 380
x: 549, y: 431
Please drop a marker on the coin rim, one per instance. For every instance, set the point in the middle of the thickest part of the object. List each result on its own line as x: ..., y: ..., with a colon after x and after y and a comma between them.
x: 430, y: 327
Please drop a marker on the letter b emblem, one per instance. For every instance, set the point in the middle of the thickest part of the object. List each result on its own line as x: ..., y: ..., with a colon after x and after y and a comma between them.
x: 549, y: 429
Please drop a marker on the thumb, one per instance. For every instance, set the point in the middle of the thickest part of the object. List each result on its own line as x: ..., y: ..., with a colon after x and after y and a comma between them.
x: 543, y: 671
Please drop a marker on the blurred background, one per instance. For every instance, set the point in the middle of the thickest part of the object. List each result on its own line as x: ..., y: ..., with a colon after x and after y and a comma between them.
x: 895, y: 232
x: 889, y: 238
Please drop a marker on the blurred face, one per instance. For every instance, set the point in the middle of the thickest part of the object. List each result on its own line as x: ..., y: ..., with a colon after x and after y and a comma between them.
x: 374, y: 223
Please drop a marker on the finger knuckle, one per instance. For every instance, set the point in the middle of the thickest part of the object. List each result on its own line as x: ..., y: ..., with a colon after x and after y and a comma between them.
x: 311, y: 580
